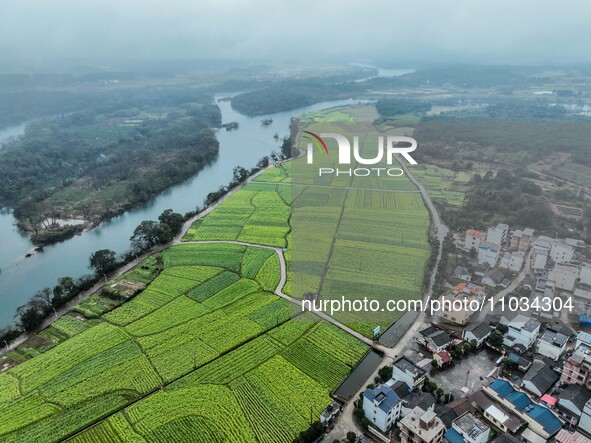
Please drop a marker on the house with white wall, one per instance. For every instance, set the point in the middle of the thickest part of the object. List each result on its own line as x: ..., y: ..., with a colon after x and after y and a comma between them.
x: 381, y: 406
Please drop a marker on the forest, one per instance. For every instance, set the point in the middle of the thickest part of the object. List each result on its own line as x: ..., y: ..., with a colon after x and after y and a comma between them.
x: 100, y: 161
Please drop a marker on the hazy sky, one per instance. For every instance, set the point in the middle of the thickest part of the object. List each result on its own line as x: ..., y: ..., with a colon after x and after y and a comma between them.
x: 467, y: 30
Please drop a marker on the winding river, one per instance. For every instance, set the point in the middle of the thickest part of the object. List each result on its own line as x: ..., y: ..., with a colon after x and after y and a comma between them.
x: 22, y: 276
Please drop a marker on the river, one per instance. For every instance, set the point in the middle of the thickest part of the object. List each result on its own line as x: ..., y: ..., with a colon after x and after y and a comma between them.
x: 21, y: 277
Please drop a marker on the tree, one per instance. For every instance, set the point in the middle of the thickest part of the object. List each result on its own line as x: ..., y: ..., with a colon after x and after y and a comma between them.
x: 496, y: 338
x: 64, y: 291
x: 351, y: 437
x: 385, y: 373
x: 240, y: 174
x: 144, y: 236
x: 174, y: 220
x: 103, y: 261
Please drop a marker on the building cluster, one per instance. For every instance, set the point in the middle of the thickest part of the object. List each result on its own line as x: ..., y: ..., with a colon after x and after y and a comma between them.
x: 540, y: 388
x: 542, y: 394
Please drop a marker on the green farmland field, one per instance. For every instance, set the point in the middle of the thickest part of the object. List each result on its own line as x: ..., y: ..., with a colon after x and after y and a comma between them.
x: 199, y: 333
x: 207, y: 352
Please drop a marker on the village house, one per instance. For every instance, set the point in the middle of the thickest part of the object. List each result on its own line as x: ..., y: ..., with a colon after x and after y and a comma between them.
x: 407, y: 372
x: 462, y: 273
x: 561, y: 252
x: 442, y: 358
x: 434, y: 339
x: 461, y: 302
x: 564, y: 276
x: 539, y: 378
x: 539, y: 418
x: 552, y: 343
x: 497, y: 234
x: 565, y: 436
x: 469, y: 429
x: 583, y: 341
x: 493, y: 278
x: 585, y: 273
x: 522, y: 333
x: 542, y: 248
x: 571, y: 402
x: 585, y: 420
x: 495, y: 413
x: 473, y: 239
x: 513, y: 261
x: 488, y: 253
x: 381, y: 406
x: 582, y: 301
x: 577, y: 368
x: 478, y: 332
x: 421, y: 426
x: 520, y: 240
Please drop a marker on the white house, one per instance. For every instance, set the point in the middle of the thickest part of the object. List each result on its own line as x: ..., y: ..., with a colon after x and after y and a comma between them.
x: 539, y: 260
x: 479, y: 332
x: 523, y: 332
x: 488, y: 253
x: 468, y: 428
x: 585, y: 273
x: 497, y: 234
x: 539, y: 378
x: 564, y: 276
x: 512, y: 261
x: 434, y: 339
x: 473, y: 239
x: 572, y: 401
x: 406, y: 371
x: 585, y: 421
x: 381, y: 406
x: 552, y: 343
x: 561, y: 252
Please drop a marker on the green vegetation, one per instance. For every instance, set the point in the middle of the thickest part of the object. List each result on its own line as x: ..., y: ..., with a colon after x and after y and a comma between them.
x: 95, y: 164
x: 256, y: 214
x: 206, y: 332
x: 292, y: 94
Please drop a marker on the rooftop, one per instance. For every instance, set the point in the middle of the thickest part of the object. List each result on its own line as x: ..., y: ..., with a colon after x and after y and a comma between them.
x: 565, y: 436
x: 584, y: 337
x: 554, y: 338
x: 576, y: 394
x: 475, y: 233
x: 384, y: 396
x: 523, y: 403
x: 471, y: 425
x: 480, y: 330
x: 404, y: 364
x: 541, y: 376
x: 426, y: 424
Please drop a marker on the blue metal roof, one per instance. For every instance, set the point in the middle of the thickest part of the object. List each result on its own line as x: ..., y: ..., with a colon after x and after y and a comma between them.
x: 390, y: 397
x: 519, y: 400
x: 584, y: 337
x: 454, y: 436
x: 547, y: 419
x: 501, y: 387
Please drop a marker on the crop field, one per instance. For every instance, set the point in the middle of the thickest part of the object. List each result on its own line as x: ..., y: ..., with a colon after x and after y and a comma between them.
x: 159, y: 336
x: 256, y: 214
x: 443, y: 185
x: 206, y: 352
x: 259, y: 392
x: 356, y: 236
